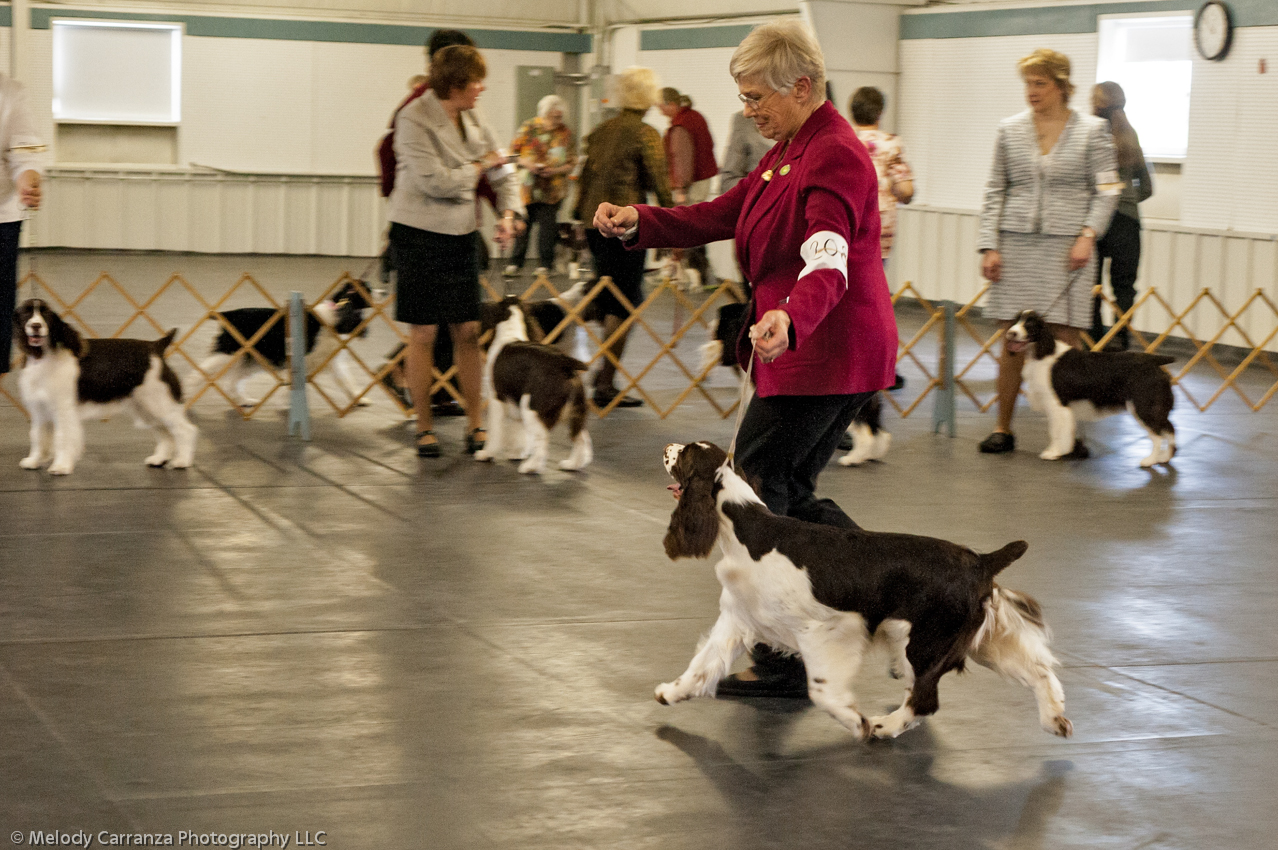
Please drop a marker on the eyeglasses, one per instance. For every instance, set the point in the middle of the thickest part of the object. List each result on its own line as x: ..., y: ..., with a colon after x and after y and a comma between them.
x: 754, y: 102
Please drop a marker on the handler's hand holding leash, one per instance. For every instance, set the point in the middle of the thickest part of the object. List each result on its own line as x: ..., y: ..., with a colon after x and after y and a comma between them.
x: 612, y: 220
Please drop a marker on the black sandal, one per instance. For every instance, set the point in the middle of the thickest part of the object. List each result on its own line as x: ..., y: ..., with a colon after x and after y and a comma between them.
x: 427, y: 449
x: 473, y: 442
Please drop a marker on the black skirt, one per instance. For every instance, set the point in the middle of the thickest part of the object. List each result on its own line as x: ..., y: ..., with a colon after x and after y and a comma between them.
x: 437, y: 276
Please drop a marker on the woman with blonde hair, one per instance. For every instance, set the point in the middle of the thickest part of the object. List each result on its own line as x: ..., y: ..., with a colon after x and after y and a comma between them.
x: 624, y: 159
x: 1121, y: 243
x: 1051, y: 194
x: 806, y: 225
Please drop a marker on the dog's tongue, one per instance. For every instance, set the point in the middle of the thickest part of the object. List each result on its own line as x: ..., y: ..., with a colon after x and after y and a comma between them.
x: 1015, y: 347
x: 675, y: 489
x: 34, y: 341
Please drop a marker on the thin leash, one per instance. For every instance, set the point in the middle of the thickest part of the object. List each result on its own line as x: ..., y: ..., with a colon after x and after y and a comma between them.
x: 741, y: 406
x: 1069, y: 305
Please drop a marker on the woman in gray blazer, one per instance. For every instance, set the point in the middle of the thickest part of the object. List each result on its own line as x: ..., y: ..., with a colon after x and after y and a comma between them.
x: 442, y: 147
x: 1051, y: 193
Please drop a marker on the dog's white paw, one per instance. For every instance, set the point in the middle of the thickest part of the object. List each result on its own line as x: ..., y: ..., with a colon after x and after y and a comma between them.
x: 61, y: 468
x: 157, y: 461
x: 854, y: 458
x: 891, y: 725
x: 1059, y: 726
x: 483, y: 455
x: 31, y: 462
x: 531, y: 467
x: 571, y: 465
x: 184, y: 463
x: 1048, y: 454
x: 1149, y: 461
x: 249, y: 402
x: 670, y: 693
x: 363, y: 401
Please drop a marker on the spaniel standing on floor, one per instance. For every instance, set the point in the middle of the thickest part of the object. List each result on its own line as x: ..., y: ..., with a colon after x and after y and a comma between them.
x: 1068, y: 385
x: 67, y: 378
x: 827, y: 593
x: 536, y: 383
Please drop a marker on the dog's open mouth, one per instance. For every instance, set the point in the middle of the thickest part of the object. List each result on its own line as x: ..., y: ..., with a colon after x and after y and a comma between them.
x: 675, y: 489
x: 1016, y: 346
x: 35, y: 340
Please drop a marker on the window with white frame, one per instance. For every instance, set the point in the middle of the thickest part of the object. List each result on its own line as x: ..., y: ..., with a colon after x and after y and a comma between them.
x: 1151, y: 57
x: 117, y: 72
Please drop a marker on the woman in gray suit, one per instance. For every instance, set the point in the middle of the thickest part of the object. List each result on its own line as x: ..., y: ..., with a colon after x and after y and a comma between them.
x: 442, y: 148
x: 1051, y: 194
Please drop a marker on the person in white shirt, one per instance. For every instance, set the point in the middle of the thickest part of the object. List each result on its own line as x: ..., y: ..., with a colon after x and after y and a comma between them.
x: 19, y: 191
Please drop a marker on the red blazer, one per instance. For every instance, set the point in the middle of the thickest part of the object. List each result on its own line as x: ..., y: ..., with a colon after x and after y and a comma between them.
x: 843, y: 335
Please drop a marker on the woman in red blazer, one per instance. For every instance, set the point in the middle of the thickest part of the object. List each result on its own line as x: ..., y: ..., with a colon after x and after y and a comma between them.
x: 806, y: 225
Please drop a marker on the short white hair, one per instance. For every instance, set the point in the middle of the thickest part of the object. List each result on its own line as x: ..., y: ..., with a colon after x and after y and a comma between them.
x: 549, y: 104
x: 779, y: 53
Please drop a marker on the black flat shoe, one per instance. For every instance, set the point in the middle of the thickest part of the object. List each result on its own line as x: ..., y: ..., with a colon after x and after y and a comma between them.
x: 846, y: 442
x: 998, y: 443
x: 427, y: 449
x: 474, y: 442
x: 602, y: 399
x: 772, y: 687
x: 898, y: 384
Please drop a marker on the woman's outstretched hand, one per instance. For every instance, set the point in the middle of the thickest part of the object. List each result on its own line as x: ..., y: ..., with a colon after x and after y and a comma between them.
x: 612, y: 220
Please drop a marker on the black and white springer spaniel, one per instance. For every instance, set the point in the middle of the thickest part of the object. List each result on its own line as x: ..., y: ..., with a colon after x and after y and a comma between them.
x: 535, y: 383
x: 1068, y: 385
x: 829, y: 593
x: 337, y: 316
x: 67, y: 378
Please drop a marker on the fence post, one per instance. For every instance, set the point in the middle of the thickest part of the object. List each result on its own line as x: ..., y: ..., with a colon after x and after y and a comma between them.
x: 943, y: 406
x: 299, y: 413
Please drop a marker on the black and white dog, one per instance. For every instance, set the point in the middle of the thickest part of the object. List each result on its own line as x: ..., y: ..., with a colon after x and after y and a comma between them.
x: 341, y: 315
x: 1069, y: 385
x: 870, y: 441
x: 828, y: 593
x: 535, y: 383
x: 67, y: 378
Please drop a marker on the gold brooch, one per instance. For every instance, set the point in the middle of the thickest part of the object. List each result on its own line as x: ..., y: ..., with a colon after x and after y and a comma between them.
x: 767, y: 175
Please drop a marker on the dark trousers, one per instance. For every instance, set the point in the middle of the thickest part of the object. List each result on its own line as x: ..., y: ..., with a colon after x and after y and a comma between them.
x: 9, y: 231
x: 1121, y: 243
x: 546, y: 219
x: 785, y: 442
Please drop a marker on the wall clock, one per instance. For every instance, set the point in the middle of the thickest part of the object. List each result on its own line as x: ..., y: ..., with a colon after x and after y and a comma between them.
x: 1213, y: 30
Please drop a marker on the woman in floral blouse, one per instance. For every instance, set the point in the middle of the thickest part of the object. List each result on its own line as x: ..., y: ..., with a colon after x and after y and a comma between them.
x: 547, y: 152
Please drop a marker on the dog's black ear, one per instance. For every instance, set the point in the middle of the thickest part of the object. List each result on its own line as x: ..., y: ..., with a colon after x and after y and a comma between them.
x: 63, y: 335
x: 1044, y: 339
x: 694, y: 525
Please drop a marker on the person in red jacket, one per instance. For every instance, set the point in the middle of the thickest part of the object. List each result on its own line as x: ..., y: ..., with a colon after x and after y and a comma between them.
x: 690, y: 158
x: 806, y: 224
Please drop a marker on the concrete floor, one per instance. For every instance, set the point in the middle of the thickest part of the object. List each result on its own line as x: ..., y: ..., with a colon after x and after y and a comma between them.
x: 335, y: 636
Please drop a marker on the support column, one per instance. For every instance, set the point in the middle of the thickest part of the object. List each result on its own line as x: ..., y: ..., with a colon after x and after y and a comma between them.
x: 18, y: 30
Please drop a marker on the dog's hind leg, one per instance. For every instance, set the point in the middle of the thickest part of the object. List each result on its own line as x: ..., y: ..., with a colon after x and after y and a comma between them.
x: 725, y: 643
x: 538, y: 438
x: 582, y: 450
x: 832, y: 652
x: 344, y: 375
x: 1161, y: 433
x: 1014, y: 643
x: 895, y: 635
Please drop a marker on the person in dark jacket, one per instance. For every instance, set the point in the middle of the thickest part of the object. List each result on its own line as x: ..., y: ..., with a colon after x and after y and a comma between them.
x: 690, y: 157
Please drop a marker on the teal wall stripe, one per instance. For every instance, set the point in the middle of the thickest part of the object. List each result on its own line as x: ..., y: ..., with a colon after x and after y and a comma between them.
x: 331, y: 31
x: 1045, y: 20
x: 6, y: 16
x: 692, y: 38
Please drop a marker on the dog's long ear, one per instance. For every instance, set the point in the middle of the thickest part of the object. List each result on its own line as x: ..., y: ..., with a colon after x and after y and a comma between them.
x: 63, y: 335
x: 1045, y: 340
x: 694, y: 525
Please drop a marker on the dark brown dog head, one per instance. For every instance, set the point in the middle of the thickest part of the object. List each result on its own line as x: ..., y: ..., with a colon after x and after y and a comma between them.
x: 694, y: 525
x: 39, y: 329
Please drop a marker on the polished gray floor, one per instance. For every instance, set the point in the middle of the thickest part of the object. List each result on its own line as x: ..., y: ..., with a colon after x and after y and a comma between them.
x: 335, y: 636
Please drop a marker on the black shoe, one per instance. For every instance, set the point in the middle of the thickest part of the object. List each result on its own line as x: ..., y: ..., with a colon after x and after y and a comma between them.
x: 447, y: 408
x: 427, y: 449
x: 1079, y: 452
x: 998, y: 443
x: 774, y: 687
x: 473, y: 441
x: 899, y: 384
x: 603, y: 398
x: 846, y: 442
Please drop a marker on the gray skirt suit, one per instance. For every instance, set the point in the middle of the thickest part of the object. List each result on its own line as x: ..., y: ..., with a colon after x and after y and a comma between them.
x: 1035, y: 207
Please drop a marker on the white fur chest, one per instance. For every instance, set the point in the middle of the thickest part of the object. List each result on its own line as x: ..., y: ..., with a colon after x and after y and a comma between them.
x: 1037, y: 375
x: 50, y: 381
x: 771, y: 595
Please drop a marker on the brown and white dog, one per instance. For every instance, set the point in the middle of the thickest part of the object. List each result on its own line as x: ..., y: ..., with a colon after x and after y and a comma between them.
x: 1069, y: 385
x: 534, y: 383
x: 67, y: 378
x: 829, y: 593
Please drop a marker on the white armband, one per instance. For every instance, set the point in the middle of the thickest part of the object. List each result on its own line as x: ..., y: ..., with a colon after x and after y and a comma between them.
x: 825, y: 250
x: 1108, y: 183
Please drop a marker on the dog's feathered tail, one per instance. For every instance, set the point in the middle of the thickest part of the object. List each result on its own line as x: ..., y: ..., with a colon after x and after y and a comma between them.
x: 1159, y: 359
x: 161, y: 345
x: 167, y: 375
x: 993, y: 563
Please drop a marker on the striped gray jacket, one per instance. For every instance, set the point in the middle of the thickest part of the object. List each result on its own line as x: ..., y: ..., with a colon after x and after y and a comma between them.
x: 1076, y: 187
